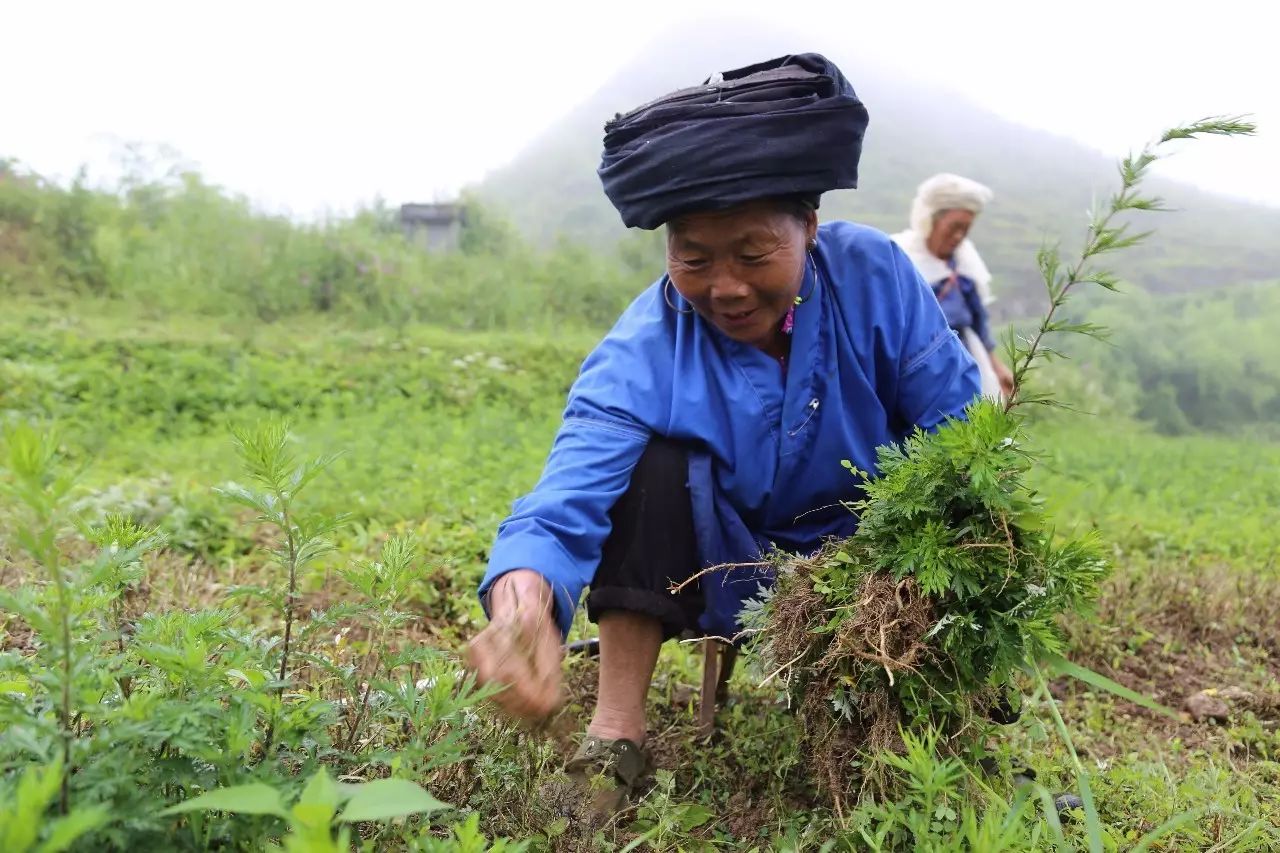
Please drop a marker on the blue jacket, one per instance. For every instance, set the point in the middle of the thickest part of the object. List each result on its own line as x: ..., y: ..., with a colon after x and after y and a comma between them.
x: 963, y: 308
x: 871, y: 358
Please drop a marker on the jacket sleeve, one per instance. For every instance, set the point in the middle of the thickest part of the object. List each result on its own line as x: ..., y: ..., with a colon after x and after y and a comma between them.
x: 559, y: 528
x: 937, y: 378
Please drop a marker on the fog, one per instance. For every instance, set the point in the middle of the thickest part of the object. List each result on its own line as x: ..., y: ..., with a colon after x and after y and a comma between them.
x: 311, y: 108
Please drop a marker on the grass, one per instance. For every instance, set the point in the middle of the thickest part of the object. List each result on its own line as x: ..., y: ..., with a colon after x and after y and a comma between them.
x: 438, y: 432
x: 1197, y: 496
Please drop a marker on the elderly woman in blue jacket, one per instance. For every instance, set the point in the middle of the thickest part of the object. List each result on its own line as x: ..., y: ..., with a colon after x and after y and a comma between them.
x: 710, y: 424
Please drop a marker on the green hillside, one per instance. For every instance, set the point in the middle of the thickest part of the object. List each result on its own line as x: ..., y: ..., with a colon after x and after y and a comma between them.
x: 1040, y: 180
x: 1187, y: 362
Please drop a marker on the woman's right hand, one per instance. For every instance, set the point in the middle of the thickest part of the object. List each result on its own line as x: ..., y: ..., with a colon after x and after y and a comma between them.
x: 1004, y: 375
x: 520, y: 648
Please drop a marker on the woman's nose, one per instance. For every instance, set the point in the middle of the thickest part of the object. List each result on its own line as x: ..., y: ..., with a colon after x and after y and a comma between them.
x: 726, y: 286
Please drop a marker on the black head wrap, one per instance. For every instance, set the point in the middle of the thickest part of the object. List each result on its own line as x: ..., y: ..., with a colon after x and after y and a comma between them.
x: 787, y: 127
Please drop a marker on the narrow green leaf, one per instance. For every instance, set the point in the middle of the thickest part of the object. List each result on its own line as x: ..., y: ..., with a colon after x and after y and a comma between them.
x: 1214, y: 125
x: 1093, y: 826
x: 320, y: 791
x: 1050, y: 815
x: 1169, y: 826
x: 308, y: 471
x: 67, y: 830
x: 1092, y: 330
x: 254, y: 798
x: 1130, y: 200
x: 639, y: 840
x: 1061, y: 666
x: 253, y: 678
x: 383, y: 799
x: 1102, y: 278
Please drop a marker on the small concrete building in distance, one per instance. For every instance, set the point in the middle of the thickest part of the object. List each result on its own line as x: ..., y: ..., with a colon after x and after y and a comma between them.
x: 433, y: 227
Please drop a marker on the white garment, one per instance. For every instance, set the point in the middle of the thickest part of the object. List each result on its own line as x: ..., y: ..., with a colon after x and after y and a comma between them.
x: 986, y: 370
x: 968, y: 262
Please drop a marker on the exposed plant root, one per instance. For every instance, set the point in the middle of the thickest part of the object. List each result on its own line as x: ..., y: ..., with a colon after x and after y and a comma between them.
x: 884, y: 636
x: 888, y: 627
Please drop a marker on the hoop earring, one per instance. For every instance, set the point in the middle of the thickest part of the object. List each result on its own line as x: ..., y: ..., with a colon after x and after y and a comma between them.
x: 813, y: 265
x: 666, y: 297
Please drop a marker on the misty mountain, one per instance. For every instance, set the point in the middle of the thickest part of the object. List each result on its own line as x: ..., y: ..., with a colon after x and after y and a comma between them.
x: 1043, y: 183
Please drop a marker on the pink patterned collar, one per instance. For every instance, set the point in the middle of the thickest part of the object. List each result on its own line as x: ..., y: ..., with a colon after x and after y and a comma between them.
x: 788, y: 326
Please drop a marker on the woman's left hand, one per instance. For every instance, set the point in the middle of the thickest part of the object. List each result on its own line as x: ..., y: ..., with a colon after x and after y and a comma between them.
x: 1004, y: 374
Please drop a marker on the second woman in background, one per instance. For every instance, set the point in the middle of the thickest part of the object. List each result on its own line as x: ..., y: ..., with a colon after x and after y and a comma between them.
x: 937, y: 242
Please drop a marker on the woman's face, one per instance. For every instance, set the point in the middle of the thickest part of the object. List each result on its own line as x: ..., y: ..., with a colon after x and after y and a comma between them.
x: 741, y: 268
x: 950, y: 227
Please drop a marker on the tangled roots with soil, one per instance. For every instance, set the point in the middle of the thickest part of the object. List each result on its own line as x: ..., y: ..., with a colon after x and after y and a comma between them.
x: 886, y: 628
x: 883, y: 638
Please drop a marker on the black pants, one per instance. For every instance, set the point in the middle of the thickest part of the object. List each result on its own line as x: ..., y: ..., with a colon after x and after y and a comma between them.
x: 652, y: 545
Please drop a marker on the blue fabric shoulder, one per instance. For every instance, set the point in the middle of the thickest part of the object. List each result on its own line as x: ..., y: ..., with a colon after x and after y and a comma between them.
x: 625, y: 382
x: 885, y: 305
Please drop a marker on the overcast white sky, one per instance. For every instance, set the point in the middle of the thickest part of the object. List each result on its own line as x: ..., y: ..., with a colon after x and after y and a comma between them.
x: 318, y: 106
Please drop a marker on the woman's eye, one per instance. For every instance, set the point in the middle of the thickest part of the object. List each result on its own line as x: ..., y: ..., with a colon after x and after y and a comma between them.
x: 693, y: 263
x: 752, y: 259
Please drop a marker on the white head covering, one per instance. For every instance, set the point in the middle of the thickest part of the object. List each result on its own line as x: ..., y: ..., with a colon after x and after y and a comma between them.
x: 946, y: 192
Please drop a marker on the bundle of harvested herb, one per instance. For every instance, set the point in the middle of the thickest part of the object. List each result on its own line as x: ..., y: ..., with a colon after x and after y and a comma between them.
x: 955, y: 580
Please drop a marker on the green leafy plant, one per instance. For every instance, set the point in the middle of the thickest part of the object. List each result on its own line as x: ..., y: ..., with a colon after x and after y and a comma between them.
x: 318, y: 821
x: 663, y: 823
x: 266, y: 456
x: 383, y: 585
x: 37, y: 485
x: 67, y: 610
x: 146, y: 708
x: 955, y: 581
x: 935, y: 807
x: 466, y: 837
x: 1105, y: 235
x: 23, y: 826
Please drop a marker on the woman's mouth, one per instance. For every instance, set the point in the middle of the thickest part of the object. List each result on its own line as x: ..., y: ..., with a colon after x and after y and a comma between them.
x: 737, y: 319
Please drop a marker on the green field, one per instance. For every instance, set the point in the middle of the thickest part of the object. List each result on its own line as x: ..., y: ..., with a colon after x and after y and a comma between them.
x: 167, y: 662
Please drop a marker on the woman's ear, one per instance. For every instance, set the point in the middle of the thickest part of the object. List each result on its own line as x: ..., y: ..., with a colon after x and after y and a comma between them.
x: 811, y: 230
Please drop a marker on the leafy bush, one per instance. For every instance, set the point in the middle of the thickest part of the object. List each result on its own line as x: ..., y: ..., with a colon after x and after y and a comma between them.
x: 175, y: 245
x: 1195, y: 362
x: 137, y: 710
x: 954, y: 583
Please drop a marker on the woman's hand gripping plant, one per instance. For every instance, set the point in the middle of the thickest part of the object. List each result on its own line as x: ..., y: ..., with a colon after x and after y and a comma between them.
x: 955, y: 581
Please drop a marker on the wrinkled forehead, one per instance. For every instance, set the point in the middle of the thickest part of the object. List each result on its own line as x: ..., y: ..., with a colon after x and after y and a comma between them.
x: 757, y: 225
x: 954, y: 216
